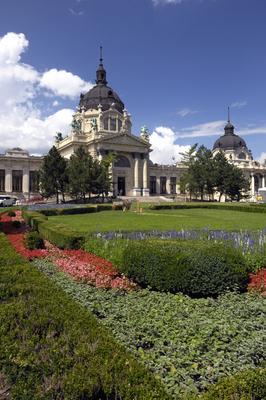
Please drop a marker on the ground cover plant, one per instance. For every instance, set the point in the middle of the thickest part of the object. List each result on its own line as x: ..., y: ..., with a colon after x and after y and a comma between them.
x: 163, y: 220
x: 188, y: 343
x: 52, y: 348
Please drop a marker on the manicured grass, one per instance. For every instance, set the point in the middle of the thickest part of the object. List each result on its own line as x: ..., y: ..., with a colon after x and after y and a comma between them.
x: 163, y: 220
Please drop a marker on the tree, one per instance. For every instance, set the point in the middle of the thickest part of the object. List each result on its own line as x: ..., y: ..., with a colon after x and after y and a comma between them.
x: 53, y: 175
x: 103, y: 181
x: 80, y: 172
x: 222, y: 170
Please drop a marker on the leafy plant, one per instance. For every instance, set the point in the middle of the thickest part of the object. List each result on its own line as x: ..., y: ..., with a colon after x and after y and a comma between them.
x: 33, y: 240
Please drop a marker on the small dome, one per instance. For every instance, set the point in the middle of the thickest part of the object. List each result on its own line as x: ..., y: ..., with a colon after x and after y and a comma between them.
x: 229, y: 142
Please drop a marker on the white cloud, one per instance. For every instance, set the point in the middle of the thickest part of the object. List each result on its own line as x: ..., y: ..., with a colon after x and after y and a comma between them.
x: 186, y: 111
x: 76, y: 13
x: 213, y: 128
x: 164, y: 147
x: 22, y: 123
x: 262, y: 158
x: 164, y: 2
x: 63, y: 83
x: 239, y: 104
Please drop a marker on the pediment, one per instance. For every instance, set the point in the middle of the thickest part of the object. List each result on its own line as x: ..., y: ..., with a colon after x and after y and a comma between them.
x: 124, y: 140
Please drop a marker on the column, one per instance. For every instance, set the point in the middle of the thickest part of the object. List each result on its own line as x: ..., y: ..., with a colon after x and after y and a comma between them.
x: 8, y: 181
x: 26, y: 183
x: 146, y: 190
x: 136, y: 189
x: 252, y: 185
x: 263, y: 181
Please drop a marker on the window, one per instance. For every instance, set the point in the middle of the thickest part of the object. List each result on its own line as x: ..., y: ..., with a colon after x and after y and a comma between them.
x: 119, y: 122
x: 173, y: 185
x: 2, y: 180
x: 105, y: 124
x: 112, y: 124
x: 242, y: 156
x: 17, y: 177
x: 153, y: 184
x: 163, y: 184
x: 122, y: 161
x: 34, y: 181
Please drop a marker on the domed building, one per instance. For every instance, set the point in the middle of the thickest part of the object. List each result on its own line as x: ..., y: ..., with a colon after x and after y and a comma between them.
x: 236, y: 150
x: 103, y: 125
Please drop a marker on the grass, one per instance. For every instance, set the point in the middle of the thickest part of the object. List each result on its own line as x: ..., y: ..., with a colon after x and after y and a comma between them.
x: 163, y: 220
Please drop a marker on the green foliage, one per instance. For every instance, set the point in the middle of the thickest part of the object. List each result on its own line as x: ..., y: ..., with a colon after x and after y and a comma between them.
x: 33, y: 240
x: 16, y: 224
x: 11, y: 213
x: 189, y: 343
x: 206, y: 174
x: 34, y: 218
x: 245, y: 385
x: 80, y: 172
x: 211, y: 206
x: 53, y: 175
x: 52, y: 348
x: 198, y: 269
x: 60, y: 235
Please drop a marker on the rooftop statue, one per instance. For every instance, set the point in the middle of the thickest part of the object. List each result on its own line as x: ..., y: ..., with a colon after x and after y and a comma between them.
x: 76, y: 125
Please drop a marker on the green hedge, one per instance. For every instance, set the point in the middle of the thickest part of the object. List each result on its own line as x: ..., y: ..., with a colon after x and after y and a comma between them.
x: 52, y: 348
x: 76, y: 210
x: 61, y: 235
x: 256, y: 208
x: 245, y: 385
x: 196, y: 268
x: 34, y: 218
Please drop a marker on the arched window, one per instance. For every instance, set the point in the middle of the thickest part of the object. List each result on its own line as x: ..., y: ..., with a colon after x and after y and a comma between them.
x: 242, y: 156
x: 122, y: 161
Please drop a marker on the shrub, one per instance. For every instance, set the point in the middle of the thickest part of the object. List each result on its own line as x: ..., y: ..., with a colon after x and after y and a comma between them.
x: 194, y: 268
x: 11, y: 214
x: 33, y: 218
x: 215, y: 206
x: 245, y: 385
x: 33, y: 240
x: 61, y: 235
x: 52, y: 348
x: 16, y: 224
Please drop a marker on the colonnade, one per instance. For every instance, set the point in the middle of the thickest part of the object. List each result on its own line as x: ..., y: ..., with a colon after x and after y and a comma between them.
x: 261, y: 182
x: 141, y: 164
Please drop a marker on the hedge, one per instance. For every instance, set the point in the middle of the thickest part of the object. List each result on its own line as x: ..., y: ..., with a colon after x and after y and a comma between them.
x: 52, y: 348
x: 234, y: 207
x: 58, y: 234
x: 196, y: 268
x: 76, y: 210
x: 245, y: 385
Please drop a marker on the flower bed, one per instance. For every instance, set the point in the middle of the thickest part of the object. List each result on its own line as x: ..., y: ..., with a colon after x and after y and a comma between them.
x: 258, y: 281
x: 79, y: 264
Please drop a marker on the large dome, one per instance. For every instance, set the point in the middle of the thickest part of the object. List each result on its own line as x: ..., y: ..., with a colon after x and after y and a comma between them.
x: 229, y: 141
x: 101, y: 94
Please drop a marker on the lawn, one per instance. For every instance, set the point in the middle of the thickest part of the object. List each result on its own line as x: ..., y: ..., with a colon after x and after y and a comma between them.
x: 163, y: 220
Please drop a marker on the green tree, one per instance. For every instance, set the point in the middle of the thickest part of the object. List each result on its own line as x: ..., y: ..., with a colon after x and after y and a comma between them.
x: 237, y: 185
x: 80, y: 172
x: 53, y: 175
x: 103, y: 181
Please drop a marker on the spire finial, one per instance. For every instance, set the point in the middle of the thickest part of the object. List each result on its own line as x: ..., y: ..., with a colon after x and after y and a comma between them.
x: 101, y: 54
x: 229, y: 114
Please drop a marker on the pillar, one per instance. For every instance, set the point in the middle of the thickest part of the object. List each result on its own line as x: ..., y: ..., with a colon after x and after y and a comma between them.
x: 252, y: 185
x: 263, y: 181
x: 146, y: 190
x: 26, y: 183
x: 8, y: 181
x: 136, y: 189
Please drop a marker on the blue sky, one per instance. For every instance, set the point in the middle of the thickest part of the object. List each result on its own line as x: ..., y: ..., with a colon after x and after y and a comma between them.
x: 177, y: 65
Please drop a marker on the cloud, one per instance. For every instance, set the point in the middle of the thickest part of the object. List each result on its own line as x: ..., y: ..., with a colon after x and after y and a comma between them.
x: 186, y: 111
x: 165, y: 2
x: 164, y: 147
x: 239, y: 104
x: 262, y: 158
x: 76, y: 13
x: 22, y: 87
x: 63, y: 83
x: 213, y: 128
